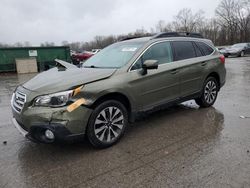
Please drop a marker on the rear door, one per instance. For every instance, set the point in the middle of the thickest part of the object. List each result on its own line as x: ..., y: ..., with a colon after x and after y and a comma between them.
x: 159, y: 85
x: 190, y: 65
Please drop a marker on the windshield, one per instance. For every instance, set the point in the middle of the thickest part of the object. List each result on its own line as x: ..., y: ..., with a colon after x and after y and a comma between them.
x: 240, y: 45
x: 113, y: 56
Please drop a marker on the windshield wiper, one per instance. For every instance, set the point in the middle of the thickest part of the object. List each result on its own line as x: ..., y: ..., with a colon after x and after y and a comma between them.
x: 91, y: 66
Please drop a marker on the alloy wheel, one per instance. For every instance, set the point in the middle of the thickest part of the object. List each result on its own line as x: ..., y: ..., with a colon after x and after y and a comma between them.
x: 210, y: 92
x: 109, y: 124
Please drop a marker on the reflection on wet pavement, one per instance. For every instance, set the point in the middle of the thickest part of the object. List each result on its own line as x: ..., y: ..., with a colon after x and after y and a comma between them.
x: 182, y: 146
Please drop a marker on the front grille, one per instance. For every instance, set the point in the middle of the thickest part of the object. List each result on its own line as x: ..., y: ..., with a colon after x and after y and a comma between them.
x: 18, y: 101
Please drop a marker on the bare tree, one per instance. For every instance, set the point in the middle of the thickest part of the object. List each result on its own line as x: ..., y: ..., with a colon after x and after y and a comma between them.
x: 160, y: 26
x: 47, y: 44
x: 65, y: 43
x: 187, y: 21
x: 75, y: 46
x: 3, y: 45
x: 234, y: 18
x: 226, y: 14
x: 243, y: 19
x: 26, y: 44
x: 210, y: 29
x: 18, y: 44
x: 231, y: 24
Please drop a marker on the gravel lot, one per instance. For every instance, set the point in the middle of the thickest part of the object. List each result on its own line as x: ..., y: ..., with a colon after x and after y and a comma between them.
x: 182, y: 146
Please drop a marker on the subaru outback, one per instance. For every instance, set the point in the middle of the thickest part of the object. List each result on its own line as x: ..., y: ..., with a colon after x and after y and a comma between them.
x: 99, y: 99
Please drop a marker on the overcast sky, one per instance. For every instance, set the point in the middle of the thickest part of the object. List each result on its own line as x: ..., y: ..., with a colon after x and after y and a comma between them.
x: 38, y: 21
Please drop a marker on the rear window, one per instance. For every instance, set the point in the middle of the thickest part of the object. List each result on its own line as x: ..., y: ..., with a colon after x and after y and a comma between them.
x: 198, y: 50
x: 183, y: 50
x: 207, y: 50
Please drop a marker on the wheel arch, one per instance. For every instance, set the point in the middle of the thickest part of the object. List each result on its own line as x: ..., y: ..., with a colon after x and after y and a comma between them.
x: 216, y: 76
x: 116, y: 96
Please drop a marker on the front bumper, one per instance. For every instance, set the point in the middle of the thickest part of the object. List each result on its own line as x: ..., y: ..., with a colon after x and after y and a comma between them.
x: 32, y: 121
x: 36, y: 132
x: 19, y: 128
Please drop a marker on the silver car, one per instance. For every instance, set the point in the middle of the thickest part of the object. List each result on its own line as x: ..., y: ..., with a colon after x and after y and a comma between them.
x: 239, y: 50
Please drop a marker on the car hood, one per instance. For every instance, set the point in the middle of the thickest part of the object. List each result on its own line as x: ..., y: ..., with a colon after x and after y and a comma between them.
x: 55, y: 80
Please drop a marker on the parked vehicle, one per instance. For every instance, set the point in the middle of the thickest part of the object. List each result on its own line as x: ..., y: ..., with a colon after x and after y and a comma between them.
x: 239, y: 50
x: 78, y: 57
x: 94, y: 51
x: 114, y: 86
x: 72, y: 52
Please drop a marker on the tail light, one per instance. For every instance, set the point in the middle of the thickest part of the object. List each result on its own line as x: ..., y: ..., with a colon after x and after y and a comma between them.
x: 222, y: 59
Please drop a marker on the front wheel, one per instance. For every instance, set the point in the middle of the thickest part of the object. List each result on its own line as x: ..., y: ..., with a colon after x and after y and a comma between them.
x: 209, y: 93
x: 107, y: 124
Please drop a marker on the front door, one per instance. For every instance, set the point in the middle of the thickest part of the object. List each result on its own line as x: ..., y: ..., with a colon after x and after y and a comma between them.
x: 159, y: 85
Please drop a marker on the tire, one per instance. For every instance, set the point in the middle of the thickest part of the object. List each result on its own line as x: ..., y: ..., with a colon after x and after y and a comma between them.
x: 107, y: 124
x: 209, y: 93
x: 242, y: 53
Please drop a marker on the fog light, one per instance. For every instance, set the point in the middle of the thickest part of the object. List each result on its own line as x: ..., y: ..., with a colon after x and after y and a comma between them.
x: 49, y: 134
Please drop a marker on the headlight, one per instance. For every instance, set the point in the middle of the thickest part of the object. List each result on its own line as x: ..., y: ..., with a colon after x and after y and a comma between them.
x: 54, y: 100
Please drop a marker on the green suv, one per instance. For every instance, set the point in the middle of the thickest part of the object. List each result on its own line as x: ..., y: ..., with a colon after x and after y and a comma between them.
x: 100, y: 98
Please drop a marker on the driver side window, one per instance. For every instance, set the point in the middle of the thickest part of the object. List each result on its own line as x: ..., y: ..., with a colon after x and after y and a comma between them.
x: 160, y: 51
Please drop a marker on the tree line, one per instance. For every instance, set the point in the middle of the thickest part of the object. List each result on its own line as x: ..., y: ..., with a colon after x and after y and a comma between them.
x: 231, y: 24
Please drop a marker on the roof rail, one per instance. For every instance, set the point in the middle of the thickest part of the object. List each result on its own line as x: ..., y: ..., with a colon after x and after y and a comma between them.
x: 177, y: 34
x: 128, y: 38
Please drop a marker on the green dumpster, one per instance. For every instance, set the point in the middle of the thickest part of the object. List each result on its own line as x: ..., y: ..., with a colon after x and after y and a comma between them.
x: 44, y: 56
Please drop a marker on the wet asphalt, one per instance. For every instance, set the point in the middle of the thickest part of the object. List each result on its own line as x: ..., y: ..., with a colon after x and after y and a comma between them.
x: 182, y: 146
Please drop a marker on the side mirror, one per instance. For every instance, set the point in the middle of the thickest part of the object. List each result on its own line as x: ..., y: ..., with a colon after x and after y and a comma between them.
x: 149, y: 64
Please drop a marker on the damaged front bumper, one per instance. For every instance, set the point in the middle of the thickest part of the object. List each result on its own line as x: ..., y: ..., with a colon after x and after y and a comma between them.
x: 19, y: 127
x: 40, y: 124
x: 37, y: 132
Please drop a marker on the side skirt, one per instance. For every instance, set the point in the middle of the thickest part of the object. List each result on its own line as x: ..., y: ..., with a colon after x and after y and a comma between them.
x: 138, y: 115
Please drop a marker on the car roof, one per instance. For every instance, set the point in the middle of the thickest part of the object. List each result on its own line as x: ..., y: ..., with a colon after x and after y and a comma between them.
x: 137, y: 39
x: 241, y: 43
x: 152, y: 39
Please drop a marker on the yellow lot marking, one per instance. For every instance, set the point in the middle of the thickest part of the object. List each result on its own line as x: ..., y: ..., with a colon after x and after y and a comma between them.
x: 75, y: 105
x: 77, y: 90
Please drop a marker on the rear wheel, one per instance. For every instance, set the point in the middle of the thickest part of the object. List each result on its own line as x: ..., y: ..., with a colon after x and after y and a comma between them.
x: 209, y: 93
x: 107, y: 124
x: 242, y: 53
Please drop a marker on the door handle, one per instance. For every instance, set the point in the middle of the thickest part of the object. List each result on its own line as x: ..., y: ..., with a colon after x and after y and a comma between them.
x: 204, y: 63
x: 174, y: 71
